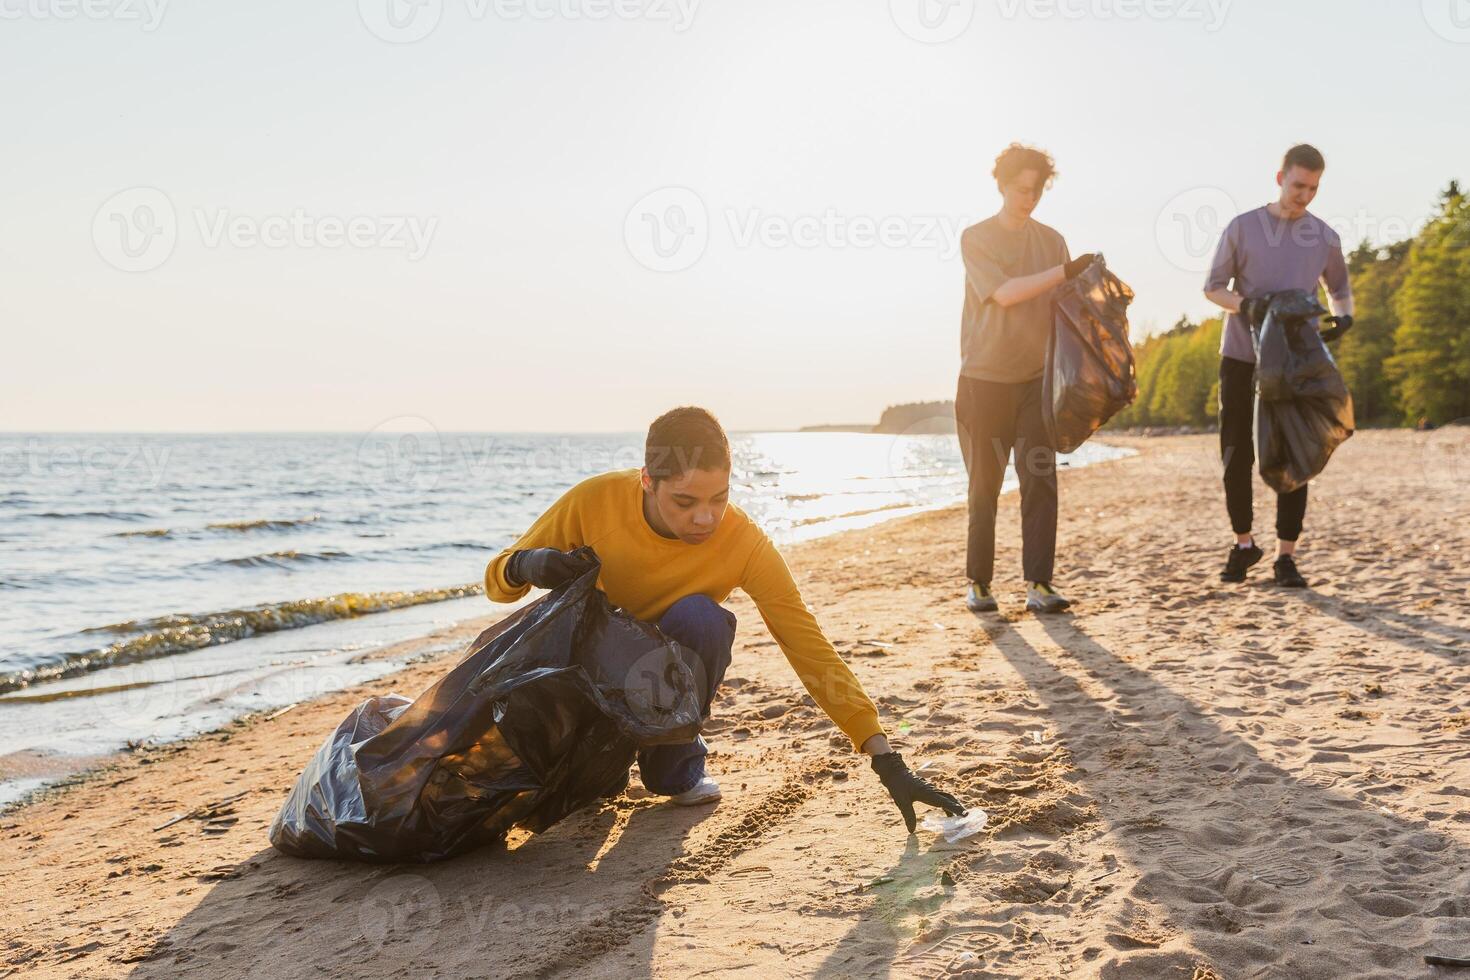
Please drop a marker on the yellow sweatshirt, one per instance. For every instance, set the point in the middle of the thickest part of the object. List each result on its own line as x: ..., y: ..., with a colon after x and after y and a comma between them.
x: 646, y: 573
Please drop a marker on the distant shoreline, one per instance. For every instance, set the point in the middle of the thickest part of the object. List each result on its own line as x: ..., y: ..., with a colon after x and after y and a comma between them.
x: 911, y: 419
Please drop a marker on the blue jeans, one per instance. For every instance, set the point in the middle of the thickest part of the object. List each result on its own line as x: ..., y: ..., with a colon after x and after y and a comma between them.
x: 706, y: 629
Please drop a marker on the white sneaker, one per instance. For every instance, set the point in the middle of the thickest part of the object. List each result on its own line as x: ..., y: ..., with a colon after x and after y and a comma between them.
x: 704, y: 791
x: 1042, y: 598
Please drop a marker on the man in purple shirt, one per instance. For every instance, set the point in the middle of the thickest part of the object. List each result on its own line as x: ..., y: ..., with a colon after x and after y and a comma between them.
x: 1273, y: 248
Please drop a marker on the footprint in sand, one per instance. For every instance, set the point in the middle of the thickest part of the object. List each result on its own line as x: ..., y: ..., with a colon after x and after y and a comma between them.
x: 741, y: 876
x: 1181, y: 857
x: 737, y: 882
x: 1414, y: 762
x: 1266, y: 796
x: 1324, y: 778
x: 954, y: 954
x: 1275, y: 869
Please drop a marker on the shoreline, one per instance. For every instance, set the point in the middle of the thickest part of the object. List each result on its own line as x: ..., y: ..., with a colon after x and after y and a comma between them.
x: 52, y: 770
x: 1183, y: 779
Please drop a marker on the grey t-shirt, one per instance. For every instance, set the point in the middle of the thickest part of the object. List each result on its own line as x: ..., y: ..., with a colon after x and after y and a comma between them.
x: 1000, y: 343
x: 1264, y: 254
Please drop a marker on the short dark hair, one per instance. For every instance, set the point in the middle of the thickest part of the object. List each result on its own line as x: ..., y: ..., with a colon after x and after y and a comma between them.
x: 684, y: 439
x: 1306, y: 156
x: 1017, y: 157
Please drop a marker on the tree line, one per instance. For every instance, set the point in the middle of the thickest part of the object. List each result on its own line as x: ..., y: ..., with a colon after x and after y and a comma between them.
x: 1406, y: 360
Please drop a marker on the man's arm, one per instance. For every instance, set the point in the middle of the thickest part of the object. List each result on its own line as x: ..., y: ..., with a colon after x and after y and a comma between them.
x: 1223, y: 271
x: 992, y: 284
x: 1339, y: 295
x: 1342, y: 306
x: 557, y: 528
x: 1022, y: 288
x: 1225, y: 299
x: 1339, y: 284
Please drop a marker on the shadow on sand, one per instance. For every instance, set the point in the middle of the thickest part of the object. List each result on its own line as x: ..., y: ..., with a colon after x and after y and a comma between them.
x: 1247, y: 858
x: 488, y: 913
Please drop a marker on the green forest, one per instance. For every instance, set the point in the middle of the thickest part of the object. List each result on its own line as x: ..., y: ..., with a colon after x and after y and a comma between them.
x: 1406, y: 360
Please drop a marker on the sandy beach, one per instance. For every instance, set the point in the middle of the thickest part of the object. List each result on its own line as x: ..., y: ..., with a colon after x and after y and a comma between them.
x: 1183, y: 779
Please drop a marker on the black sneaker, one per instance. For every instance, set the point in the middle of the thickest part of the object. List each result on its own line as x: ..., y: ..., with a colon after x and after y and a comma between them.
x: 1240, y: 560
x: 1286, y: 574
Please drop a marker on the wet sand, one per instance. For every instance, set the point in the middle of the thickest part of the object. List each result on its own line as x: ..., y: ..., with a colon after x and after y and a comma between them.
x: 1184, y: 779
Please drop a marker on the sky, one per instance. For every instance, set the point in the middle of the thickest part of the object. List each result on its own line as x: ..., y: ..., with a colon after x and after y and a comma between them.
x: 571, y: 215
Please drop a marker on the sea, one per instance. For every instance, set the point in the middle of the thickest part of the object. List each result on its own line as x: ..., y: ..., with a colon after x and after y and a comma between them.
x: 153, y: 587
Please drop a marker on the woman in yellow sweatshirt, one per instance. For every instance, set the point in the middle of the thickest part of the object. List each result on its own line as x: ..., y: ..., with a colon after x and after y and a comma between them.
x: 672, y: 548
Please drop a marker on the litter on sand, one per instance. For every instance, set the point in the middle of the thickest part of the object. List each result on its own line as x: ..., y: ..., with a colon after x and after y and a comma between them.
x: 956, y: 828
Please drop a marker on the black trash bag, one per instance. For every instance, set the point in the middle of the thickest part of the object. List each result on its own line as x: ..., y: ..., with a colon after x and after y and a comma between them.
x: 1304, y: 410
x: 1090, y: 373
x: 543, y: 716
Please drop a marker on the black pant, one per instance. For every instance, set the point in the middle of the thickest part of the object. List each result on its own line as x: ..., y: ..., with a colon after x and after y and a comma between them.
x: 708, y: 630
x: 1238, y: 452
x: 993, y: 418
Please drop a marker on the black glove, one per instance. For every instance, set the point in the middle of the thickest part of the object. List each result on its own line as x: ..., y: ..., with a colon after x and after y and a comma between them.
x: 1340, y: 326
x: 1255, y: 310
x: 907, y: 789
x: 545, y: 568
x: 1079, y: 265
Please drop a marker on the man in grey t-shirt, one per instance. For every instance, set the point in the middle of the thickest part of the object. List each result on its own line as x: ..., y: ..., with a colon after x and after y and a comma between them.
x: 1013, y: 265
x: 1277, y: 247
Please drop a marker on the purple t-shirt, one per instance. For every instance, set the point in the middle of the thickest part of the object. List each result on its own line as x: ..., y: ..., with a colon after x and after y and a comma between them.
x: 1264, y: 254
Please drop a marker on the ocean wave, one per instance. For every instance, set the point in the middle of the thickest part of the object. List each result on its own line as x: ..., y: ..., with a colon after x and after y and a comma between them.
x: 274, y: 559
x: 166, y: 635
x: 912, y: 474
x: 800, y: 498
x: 449, y: 546
x: 111, y: 515
x: 289, y: 558
x: 263, y: 525
x: 282, y: 524
x: 852, y: 513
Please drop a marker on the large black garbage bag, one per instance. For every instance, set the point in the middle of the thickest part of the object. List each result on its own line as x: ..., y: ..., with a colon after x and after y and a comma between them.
x: 1089, y: 362
x: 1304, y: 410
x: 543, y: 716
